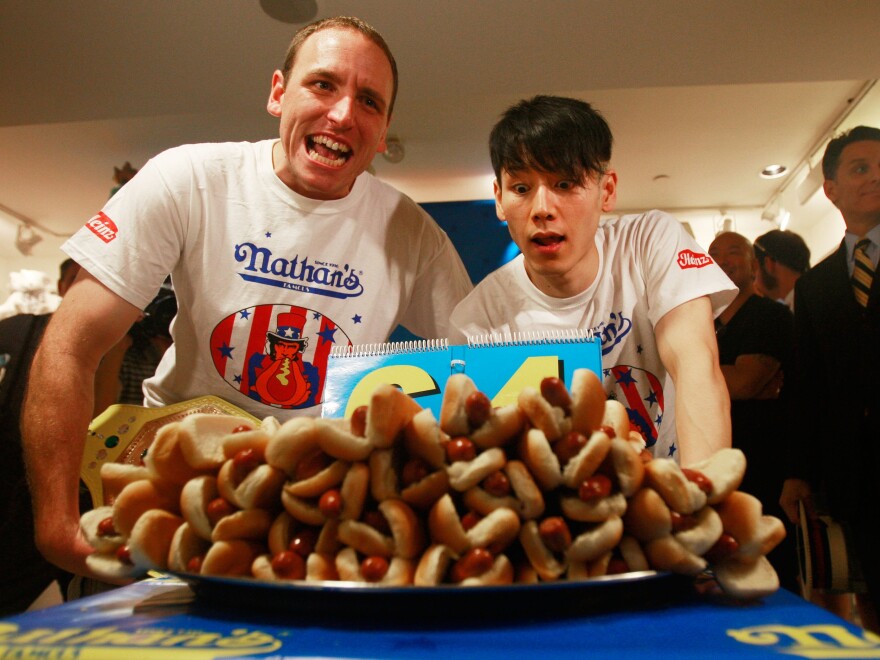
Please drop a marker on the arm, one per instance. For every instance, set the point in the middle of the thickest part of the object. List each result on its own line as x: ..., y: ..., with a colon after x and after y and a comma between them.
x: 108, y: 386
x: 58, y: 408
x: 688, y: 349
x: 748, y: 376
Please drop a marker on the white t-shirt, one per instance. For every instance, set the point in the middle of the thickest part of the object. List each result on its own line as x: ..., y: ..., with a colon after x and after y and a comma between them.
x: 253, y: 262
x: 648, y: 265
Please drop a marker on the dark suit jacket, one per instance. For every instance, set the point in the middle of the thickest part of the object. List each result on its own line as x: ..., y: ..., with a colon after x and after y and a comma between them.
x: 838, y: 385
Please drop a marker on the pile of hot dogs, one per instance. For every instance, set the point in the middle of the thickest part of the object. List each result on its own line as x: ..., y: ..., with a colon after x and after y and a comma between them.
x: 556, y: 486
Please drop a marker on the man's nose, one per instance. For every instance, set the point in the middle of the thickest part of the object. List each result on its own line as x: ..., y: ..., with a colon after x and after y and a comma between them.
x: 341, y: 111
x: 542, y: 203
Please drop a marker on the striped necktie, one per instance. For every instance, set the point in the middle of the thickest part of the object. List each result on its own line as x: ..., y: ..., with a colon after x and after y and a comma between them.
x: 863, y: 272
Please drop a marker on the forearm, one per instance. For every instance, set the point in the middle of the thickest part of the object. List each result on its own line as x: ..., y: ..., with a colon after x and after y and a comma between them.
x: 702, y: 413
x: 55, y: 420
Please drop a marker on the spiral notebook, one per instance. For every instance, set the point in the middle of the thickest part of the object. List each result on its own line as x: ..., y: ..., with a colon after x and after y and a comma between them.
x: 499, y: 365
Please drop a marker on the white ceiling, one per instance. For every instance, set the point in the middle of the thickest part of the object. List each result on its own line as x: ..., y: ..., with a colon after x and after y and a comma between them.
x: 704, y: 92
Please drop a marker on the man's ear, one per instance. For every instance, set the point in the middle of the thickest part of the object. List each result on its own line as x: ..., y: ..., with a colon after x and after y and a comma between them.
x: 609, y: 191
x: 830, y: 188
x: 496, y: 189
x: 276, y: 94
x: 383, y: 145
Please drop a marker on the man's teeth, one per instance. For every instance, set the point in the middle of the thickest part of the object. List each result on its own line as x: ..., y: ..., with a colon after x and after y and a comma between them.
x: 331, y: 145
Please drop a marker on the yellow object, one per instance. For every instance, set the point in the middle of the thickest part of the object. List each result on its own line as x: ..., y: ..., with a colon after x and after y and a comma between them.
x: 123, y: 433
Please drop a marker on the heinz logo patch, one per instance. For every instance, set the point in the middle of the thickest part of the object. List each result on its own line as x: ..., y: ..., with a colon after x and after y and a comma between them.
x: 102, y: 227
x: 691, y: 259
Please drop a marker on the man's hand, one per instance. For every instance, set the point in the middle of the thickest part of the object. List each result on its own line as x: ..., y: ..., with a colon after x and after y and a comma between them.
x: 65, y: 546
x: 794, y: 491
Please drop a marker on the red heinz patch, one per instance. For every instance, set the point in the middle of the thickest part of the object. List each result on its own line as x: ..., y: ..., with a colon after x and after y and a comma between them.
x: 691, y: 259
x: 102, y: 227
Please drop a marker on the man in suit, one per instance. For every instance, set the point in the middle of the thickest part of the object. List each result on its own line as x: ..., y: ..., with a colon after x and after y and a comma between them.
x: 837, y: 330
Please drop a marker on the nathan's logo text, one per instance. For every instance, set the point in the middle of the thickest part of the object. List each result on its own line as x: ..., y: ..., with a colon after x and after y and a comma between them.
x: 102, y: 227
x: 297, y: 273
x: 691, y: 259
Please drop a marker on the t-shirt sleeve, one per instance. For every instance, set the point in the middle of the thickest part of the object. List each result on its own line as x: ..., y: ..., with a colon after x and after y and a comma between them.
x: 133, y: 243
x: 441, y: 283
x: 676, y: 269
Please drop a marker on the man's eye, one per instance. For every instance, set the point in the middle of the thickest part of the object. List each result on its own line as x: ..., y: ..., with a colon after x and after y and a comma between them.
x: 322, y: 84
x: 519, y: 189
x: 565, y: 185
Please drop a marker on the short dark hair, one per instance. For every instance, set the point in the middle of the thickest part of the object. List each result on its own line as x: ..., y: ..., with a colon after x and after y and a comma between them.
x: 346, y: 23
x: 65, y: 266
x: 831, y: 159
x: 551, y: 134
x: 783, y: 246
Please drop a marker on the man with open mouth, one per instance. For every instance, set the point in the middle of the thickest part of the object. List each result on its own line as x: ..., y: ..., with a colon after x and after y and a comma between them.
x: 639, y: 282
x: 250, y: 233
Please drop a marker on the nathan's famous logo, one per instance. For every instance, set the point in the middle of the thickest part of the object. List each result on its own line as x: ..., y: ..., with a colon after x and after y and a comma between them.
x: 298, y: 274
x: 102, y: 227
x: 691, y: 259
x: 819, y: 640
x: 116, y: 642
x: 613, y: 331
x: 276, y: 354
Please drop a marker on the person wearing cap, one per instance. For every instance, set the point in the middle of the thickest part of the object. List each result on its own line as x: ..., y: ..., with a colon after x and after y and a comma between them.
x: 782, y: 257
x: 837, y: 339
x: 755, y: 337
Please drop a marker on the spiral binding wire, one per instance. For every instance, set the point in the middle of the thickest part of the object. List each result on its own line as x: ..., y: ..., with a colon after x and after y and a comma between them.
x: 390, y: 348
x: 524, y: 338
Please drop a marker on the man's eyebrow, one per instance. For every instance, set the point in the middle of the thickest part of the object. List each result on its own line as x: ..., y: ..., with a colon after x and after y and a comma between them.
x: 328, y: 74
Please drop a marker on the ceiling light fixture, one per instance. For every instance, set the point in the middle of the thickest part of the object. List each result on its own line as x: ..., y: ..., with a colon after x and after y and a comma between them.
x: 774, y: 171
x: 26, y: 238
x: 394, y: 151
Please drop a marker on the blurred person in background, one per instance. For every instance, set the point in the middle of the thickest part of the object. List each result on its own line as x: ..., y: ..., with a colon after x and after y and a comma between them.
x: 783, y: 257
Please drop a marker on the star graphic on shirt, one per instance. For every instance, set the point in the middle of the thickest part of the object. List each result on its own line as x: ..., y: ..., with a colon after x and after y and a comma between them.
x: 626, y: 378
x: 639, y: 348
x: 287, y: 332
x: 651, y: 398
x: 672, y: 450
x: 658, y: 420
x: 316, y: 315
x: 327, y: 334
x: 245, y: 314
x: 226, y: 350
x: 606, y: 373
x: 268, y: 234
x: 356, y: 318
x: 237, y: 378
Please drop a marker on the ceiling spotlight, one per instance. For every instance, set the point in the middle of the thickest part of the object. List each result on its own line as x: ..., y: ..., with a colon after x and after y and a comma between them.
x: 26, y: 238
x: 394, y: 151
x: 773, y: 171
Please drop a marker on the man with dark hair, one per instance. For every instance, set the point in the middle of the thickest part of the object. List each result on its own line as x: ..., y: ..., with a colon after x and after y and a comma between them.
x: 782, y: 257
x: 249, y: 232
x: 755, y: 340
x: 640, y: 282
x: 837, y: 332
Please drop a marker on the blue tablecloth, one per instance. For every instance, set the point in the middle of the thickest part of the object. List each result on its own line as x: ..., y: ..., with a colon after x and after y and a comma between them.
x: 149, y: 620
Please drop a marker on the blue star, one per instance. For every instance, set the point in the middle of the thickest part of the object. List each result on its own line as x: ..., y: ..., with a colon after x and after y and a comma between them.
x: 226, y: 350
x: 237, y: 379
x: 626, y: 378
x: 268, y: 234
x: 356, y: 318
x: 327, y: 334
x: 672, y: 450
x: 606, y: 373
x: 316, y: 315
x: 652, y: 398
x: 639, y: 348
x: 659, y: 420
x: 245, y: 314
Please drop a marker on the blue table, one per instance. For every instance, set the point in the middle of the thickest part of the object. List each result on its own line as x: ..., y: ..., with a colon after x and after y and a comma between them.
x: 149, y: 620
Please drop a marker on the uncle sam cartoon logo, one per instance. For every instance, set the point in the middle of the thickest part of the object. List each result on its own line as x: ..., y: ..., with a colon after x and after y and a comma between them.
x: 276, y: 354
